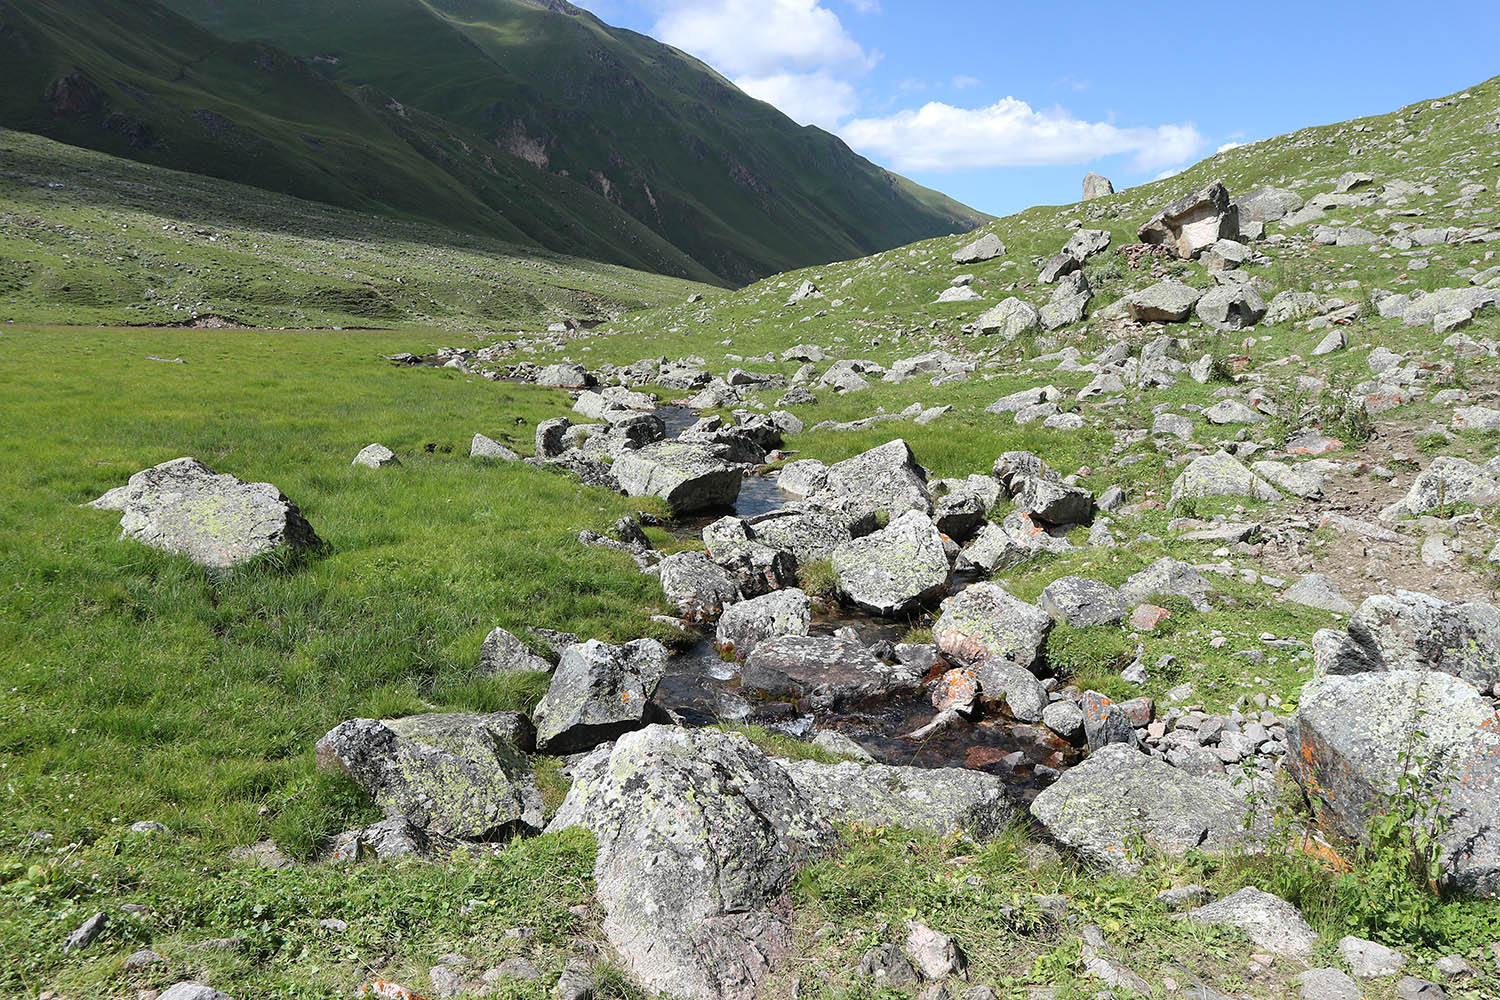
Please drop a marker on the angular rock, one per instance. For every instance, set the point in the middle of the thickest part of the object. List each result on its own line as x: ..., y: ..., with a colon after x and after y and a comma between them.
x: 483, y: 447
x: 1449, y: 481
x: 885, y: 479
x: 984, y: 621
x: 699, y: 587
x: 1080, y: 602
x: 462, y: 776
x: 987, y: 247
x: 1316, y: 591
x: 1166, y: 576
x: 1221, y: 475
x: 1118, y: 795
x: 503, y: 652
x: 1002, y: 680
x: 690, y: 477
x: 1411, y: 631
x: 597, y: 693
x: 1096, y: 186
x: 809, y: 535
x: 192, y: 991
x: 1231, y: 307
x: 745, y: 625
x: 185, y: 508
x: 943, y: 801
x: 822, y: 672
x: 1268, y: 204
x: 1168, y: 301
x: 895, y: 569
x: 1269, y: 921
x: 699, y: 837
x: 1368, y: 959
x: 1194, y: 222
x: 1012, y: 318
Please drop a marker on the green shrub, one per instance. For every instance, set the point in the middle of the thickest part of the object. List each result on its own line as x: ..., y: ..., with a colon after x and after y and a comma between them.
x: 818, y: 579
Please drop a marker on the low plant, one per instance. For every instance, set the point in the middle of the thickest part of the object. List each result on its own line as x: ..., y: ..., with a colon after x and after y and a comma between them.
x: 1343, y: 414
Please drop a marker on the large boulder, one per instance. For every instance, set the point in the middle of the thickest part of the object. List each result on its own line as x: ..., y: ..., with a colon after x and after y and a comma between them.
x: 745, y: 625
x: 1010, y: 319
x: 699, y: 838
x: 598, y: 692
x: 699, y: 587
x: 690, y: 477
x: 822, y: 672
x: 1411, y: 631
x: 1231, y: 307
x: 217, y: 521
x: 1194, y: 222
x: 1118, y: 796
x: 984, y: 621
x: 1096, y: 186
x: 1080, y: 601
x: 1221, y: 475
x: 1167, y: 577
x: 987, y: 247
x: 895, y: 569
x: 809, y: 535
x: 1054, y: 502
x: 1069, y: 301
x: 885, y: 480
x: 1270, y: 922
x: 1168, y: 301
x: 1347, y: 745
x: 1268, y: 204
x: 1449, y: 481
x: 945, y: 801
x: 459, y: 776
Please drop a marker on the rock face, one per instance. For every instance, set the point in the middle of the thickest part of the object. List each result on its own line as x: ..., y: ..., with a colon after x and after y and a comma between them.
x: 217, y: 521
x: 822, y: 672
x: 1345, y: 744
x: 690, y: 477
x: 745, y: 625
x: 1194, y: 222
x: 944, y: 801
x: 895, y: 569
x: 1096, y: 186
x: 700, y: 835
x: 1411, y: 631
x: 885, y: 479
x: 984, y: 621
x: 459, y: 776
x: 1118, y: 794
x: 598, y: 692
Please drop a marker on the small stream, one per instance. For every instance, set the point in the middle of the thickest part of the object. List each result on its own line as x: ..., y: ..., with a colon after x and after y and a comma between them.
x: 702, y: 688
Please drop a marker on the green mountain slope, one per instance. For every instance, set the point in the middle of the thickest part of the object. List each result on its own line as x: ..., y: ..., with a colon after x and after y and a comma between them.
x: 733, y: 182
x: 137, y: 80
x: 90, y: 238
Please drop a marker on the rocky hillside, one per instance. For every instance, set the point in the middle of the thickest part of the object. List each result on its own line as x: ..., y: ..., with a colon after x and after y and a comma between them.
x: 500, y: 119
x: 1101, y: 604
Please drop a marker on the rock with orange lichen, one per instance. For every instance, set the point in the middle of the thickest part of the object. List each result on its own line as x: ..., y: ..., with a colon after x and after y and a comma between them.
x: 1345, y: 746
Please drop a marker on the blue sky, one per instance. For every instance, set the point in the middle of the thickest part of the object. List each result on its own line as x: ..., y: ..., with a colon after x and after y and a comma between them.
x: 1005, y: 105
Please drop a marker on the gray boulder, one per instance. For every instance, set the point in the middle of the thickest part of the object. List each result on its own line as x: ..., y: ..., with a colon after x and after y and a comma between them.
x: 1269, y: 921
x: 1080, y: 601
x: 1231, y: 307
x: 809, y: 535
x: 462, y: 776
x: 699, y: 838
x: 690, y: 477
x: 1168, y: 301
x: 219, y: 522
x: 1069, y: 301
x: 987, y: 247
x: 984, y: 621
x: 1002, y: 680
x: 489, y: 448
x: 1446, y: 481
x: 943, y: 801
x: 1316, y: 591
x: 565, y: 376
x: 1167, y: 577
x: 1268, y: 204
x: 1054, y: 502
x: 1289, y: 306
x: 886, y: 479
x: 1328, y: 984
x: 1118, y: 796
x: 1345, y: 746
x: 895, y: 569
x: 822, y: 672
x: 1096, y: 186
x: 550, y: 435
x: 1012, y: 318
x: 503, y: 652
x: 699, y: 587
x: 597, y: 693
x: 376, y: 456
x: 1221, y: 475
x: 1194, y: 222
x: 1411, y: 631
x: 744, y: 625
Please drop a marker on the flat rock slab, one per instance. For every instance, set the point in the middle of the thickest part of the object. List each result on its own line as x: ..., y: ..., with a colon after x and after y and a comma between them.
x: 822, y: 672
x: 1119, y: 795
x: 217, y: 521
x: 944, y: 801
x: 699, y: 837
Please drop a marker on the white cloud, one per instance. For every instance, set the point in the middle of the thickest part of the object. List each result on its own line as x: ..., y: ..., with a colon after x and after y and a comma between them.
x: 965, y: 82
x: 1010, y: 133
x: 759, y: 39
x: 817, y: 98
x: 1228, y: 146
x: 1169, y: 172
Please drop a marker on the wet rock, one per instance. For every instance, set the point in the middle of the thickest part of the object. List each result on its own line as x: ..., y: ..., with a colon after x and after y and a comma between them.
x: 943, y: 801
x: 1269, y: 921
x: 1080, y: 601
x: 1344, y: 748
x: 503, y: 652
x: 1118, y: 794
x: 597, y: 693
x: 1411, y: 631
x: 1168, y: 301
x: 1221, y: 475
x: 690, y: 477
x: 1023, y: 694
x: 984, y: 622
x: 822, y: 672
x: 726, y: 831
x: 185, y: 508
x: 463, y: 776
x: 699, y: 587
x: 1167, y: 577
x: 745, y: 625
x: 895, y: 569
x: 1194, y: 222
